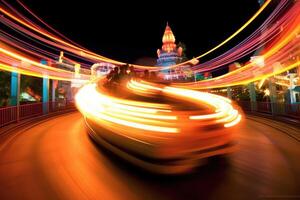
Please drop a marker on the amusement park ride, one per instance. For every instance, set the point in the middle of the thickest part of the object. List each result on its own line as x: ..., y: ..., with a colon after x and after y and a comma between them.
x: 127, y: 118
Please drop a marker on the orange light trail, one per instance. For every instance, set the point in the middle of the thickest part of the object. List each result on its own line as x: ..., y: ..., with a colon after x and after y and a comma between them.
x: 34, y: 68
x: 85, y: 53
x: 277, y: 51
x: 97, y: 105
x: 166, y: 132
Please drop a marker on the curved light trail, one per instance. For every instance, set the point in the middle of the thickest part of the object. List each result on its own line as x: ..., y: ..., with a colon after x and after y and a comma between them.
x: 27, y: 66
x: 90, y: 55
x: 238, y: 31
x: 40, y: 34
x: 276, y: 58
x: 255, y: 41
x: 177, y: 136
x: 143, y: 128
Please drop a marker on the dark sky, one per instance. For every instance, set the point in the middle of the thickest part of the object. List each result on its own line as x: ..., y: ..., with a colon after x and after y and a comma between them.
x: 127, y: 30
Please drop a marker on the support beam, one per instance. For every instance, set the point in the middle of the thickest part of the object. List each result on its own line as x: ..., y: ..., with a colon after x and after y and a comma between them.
x: 15, y: 89
x: 273, y: 95
x: 45, y: 90
x: 54, y: 86
x: 45, y: 95
x: 252, y: 95
x: 15, y: 93
x: 229, y: 93
x: 291, y: 88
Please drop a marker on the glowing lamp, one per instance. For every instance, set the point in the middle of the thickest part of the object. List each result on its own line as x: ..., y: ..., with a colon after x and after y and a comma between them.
x: 258, y: 61
x: 179, y: 51
x: 194, y: 61
x: 267, y: 92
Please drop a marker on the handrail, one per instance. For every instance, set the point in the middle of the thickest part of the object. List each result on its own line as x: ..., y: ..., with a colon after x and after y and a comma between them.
x: 276, y: 109
x: 12, y: 114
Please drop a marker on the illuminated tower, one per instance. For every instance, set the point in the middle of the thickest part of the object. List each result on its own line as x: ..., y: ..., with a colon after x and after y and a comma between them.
x: 169, y: 54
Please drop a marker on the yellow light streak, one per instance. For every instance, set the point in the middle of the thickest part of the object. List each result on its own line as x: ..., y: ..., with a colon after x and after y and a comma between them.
x: 31, y: 73
x: 90, y: 54
x: 234, y: 122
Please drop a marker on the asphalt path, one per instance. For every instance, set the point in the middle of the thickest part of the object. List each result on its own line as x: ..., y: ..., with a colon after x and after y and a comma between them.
x: 57, y: 159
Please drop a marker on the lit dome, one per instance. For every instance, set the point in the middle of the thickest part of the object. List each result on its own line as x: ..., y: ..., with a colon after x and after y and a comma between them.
x: 168, y: 40
x: 168, y: 35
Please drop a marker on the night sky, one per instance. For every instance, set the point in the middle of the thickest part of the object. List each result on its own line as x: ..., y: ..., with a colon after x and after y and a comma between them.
x: 128, y: 30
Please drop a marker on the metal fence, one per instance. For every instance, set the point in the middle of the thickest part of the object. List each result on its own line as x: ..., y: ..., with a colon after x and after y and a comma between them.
x: 277, y: 109
x: 13, y: 114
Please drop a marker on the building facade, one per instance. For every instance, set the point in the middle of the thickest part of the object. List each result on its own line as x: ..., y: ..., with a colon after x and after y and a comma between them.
x: 169, y: 54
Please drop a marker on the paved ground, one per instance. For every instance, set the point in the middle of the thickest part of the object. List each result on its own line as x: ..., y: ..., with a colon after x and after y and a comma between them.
x: 57, y: 160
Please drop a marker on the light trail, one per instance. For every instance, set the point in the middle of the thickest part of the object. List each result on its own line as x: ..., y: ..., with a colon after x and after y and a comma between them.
x: 255, y: 41
x: 177, y: 138
x: 36, y: 74
x: 238, y: 31
x: 54, y: 38
x: 156, y: 130
x: 90, y: 55
x: 27, y: 66
x: 277, y: 51
x: 222, y: 106
x: 289, y: 21
x: 97, y: 105
x: 57, y: 42
x: 47, y: 25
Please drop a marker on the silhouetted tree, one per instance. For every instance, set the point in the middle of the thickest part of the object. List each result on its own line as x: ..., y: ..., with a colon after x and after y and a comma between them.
x: 183, y: 46
x: 4, y: 87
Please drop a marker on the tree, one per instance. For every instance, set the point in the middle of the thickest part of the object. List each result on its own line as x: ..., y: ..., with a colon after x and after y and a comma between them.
x: 32, y: 85
x: 183, y: 46
x: 4, y: 88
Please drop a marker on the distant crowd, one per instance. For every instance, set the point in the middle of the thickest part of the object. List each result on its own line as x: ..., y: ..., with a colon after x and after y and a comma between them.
x: 124, y: 73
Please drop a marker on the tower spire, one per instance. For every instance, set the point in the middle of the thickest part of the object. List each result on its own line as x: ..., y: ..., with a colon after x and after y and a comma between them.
x: 169, y: 54
x: 168, y: 40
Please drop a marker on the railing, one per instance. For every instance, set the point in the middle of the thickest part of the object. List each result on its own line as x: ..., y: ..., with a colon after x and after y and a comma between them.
x: 276, y: 109
x: 13, y: 114
x: 265, y: 107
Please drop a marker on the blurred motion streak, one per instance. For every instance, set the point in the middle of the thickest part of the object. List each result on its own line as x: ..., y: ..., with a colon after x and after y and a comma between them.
x: 279, y: 49
x: 18, y: 21
x: 160, y: 137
